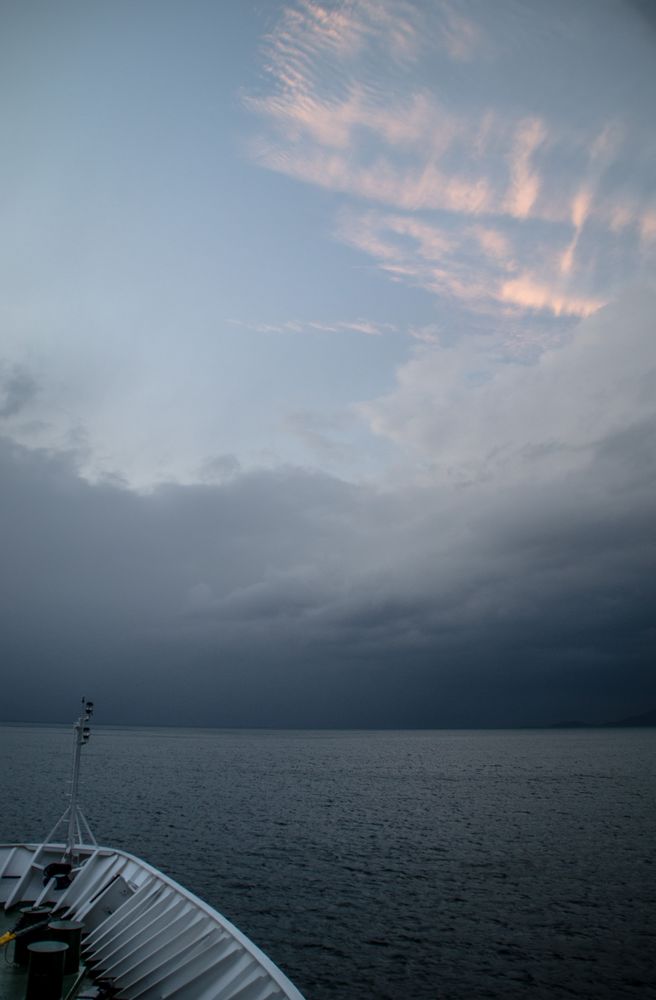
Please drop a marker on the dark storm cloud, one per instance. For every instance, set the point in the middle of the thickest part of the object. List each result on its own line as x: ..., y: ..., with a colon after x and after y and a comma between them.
x: 289, y: 598
x: 517, y: 587
x: 646, y: 10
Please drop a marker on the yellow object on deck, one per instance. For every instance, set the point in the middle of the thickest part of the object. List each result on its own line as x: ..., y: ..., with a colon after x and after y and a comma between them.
x: 6, y: 938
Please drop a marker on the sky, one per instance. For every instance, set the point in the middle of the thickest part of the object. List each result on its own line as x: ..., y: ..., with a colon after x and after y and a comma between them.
x: 328, y: 362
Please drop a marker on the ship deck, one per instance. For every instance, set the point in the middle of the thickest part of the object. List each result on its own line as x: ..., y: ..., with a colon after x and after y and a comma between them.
x: 144, y: 935
x: 13, y: 978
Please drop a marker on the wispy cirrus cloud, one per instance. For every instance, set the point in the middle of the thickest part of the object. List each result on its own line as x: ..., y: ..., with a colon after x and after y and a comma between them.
x: 462, y: 38
x: 310, y: 35
x: 415, y: 187
x: 524, y: 186
x: 473, y: 264
x: 360, y: 325
x: 361, y: 102
x: 529, y: 293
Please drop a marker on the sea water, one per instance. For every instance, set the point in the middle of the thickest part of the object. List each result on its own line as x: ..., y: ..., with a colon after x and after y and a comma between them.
x: 416, y: 865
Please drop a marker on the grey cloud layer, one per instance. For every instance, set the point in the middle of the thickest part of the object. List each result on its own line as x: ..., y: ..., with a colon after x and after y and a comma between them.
x: 470, y: 416
x: 293, y: 598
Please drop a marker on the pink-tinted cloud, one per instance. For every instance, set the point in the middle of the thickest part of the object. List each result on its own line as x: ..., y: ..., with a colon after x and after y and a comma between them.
x: 529, y: 293
x: 581, y: 204
x: 648, y: 226
x: 487, y: 206
x: 495, y: 245
x: 410, y: 188
x: 581, y: 207
x: 461, y: 37
x: 474, y: 265
x: 524, y: 178
x: 429, y: 334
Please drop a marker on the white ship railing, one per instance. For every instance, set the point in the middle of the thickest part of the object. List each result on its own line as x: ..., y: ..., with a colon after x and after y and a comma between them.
x: 145, y: 935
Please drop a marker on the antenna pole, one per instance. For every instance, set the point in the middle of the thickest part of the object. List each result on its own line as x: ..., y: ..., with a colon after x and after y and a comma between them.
x: 81, y: 733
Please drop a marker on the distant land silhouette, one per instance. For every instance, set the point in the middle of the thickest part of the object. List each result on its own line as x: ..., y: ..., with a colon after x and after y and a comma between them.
x: 644, y: 719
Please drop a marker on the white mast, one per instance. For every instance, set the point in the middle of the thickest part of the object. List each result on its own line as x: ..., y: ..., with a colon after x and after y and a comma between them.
x: 81, y: 733
x: 77, y: 829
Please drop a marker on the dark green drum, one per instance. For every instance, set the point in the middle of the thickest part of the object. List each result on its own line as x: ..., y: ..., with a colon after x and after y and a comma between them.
x: 45, y: 971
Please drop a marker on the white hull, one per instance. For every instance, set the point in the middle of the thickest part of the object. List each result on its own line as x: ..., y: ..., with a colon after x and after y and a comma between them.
x: 144, y: 935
